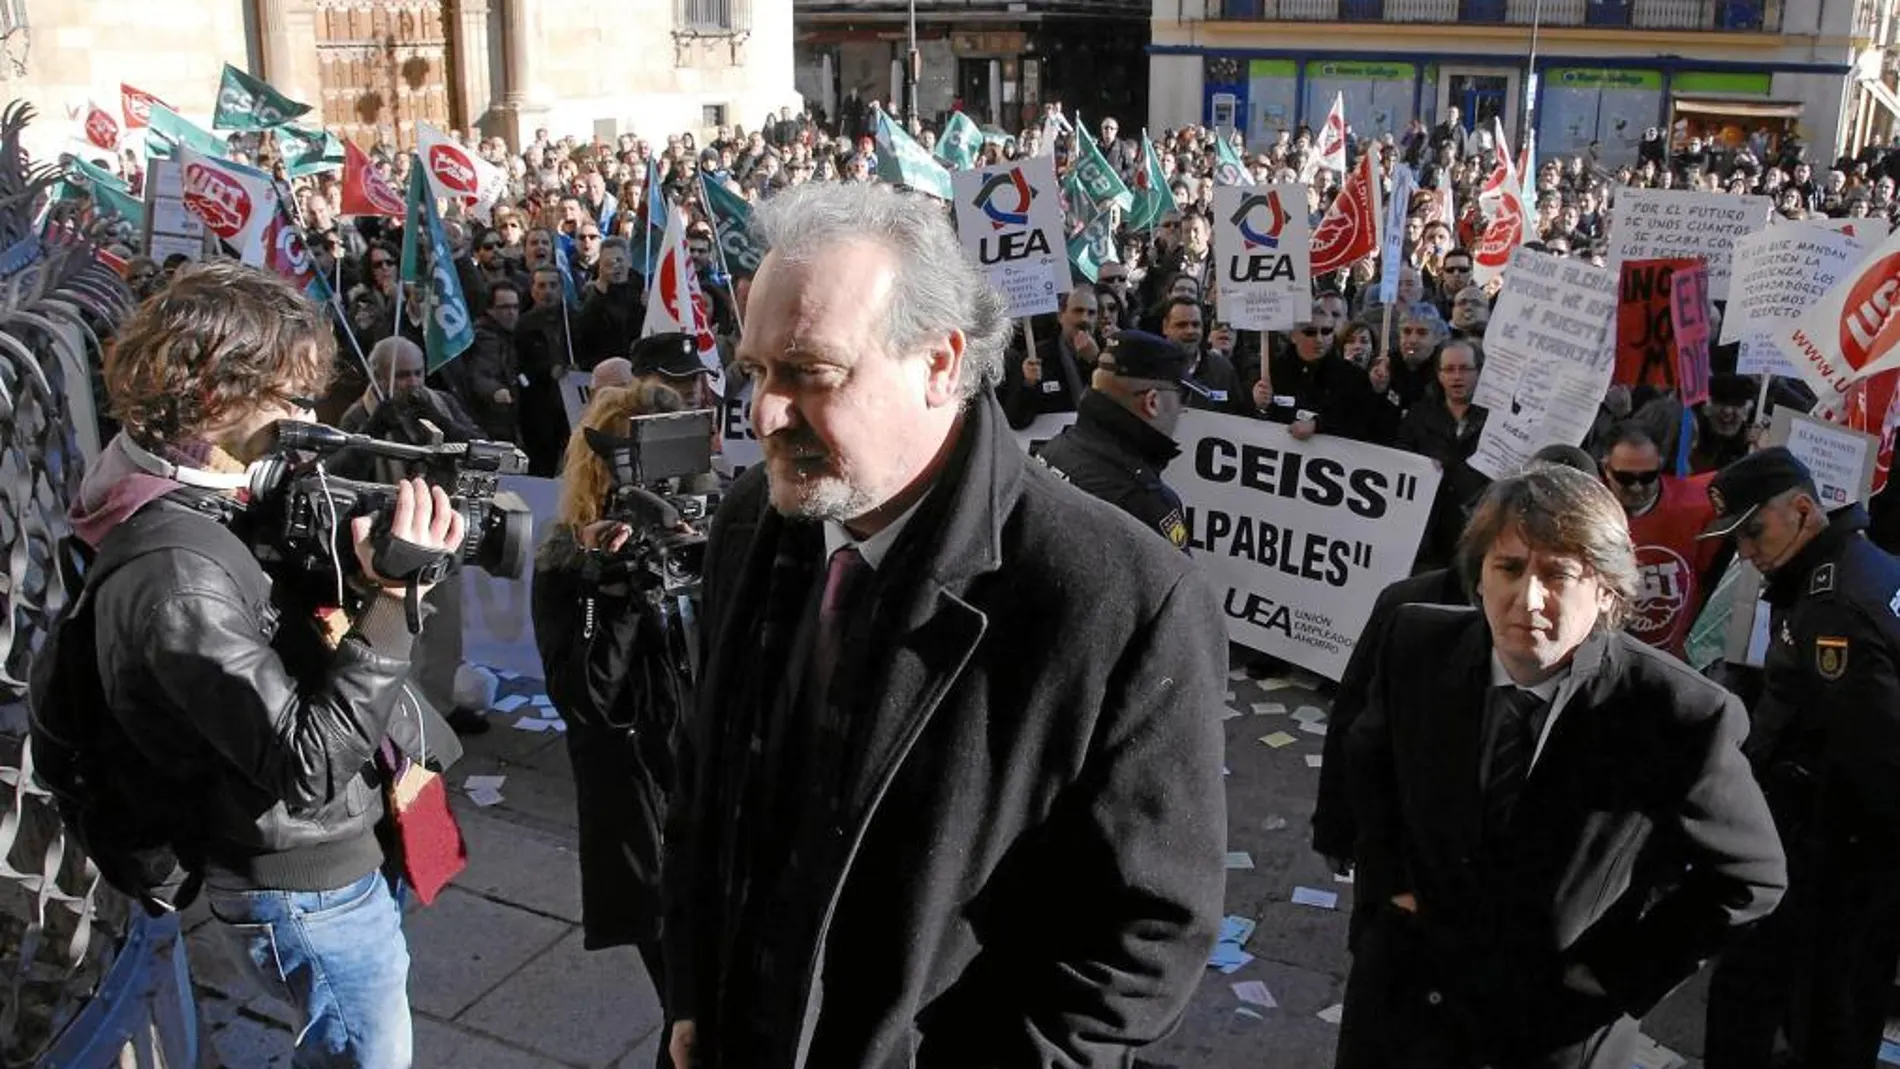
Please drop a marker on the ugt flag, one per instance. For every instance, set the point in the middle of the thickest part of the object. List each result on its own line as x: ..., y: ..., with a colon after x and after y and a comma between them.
x: 236, y: 202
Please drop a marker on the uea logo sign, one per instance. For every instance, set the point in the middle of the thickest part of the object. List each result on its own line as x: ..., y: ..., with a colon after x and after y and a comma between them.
x: 1260, y: 219
x: 452, y: 170
x: 223, y: 204
x: 1004, y: 200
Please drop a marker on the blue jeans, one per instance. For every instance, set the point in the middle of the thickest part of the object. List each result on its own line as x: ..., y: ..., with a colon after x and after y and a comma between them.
x: 339, y: 958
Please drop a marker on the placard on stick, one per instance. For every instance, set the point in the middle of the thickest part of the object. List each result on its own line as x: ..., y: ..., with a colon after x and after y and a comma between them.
x: 1010, y: 220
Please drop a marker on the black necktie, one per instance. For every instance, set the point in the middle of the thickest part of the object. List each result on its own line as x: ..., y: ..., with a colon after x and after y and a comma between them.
x: 847, y: 570
x: 1519, y: 719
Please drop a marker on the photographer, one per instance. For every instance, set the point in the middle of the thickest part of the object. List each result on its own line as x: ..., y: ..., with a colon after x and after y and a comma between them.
x: 615, y: 678
x: 251, y: 707
x: 416, y: 414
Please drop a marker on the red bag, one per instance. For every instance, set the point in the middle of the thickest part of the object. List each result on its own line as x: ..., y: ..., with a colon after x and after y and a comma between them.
x: 428, y: 841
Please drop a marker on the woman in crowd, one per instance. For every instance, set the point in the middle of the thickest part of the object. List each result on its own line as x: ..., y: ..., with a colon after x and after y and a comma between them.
x: 610, y: 672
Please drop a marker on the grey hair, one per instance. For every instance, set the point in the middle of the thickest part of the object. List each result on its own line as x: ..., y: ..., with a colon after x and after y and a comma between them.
x: 937, y: 289
x: 384, y: 353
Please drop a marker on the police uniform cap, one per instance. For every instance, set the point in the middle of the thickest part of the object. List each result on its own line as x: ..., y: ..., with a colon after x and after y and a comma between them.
x: 1727, y: 389
x: 1742, y: 488
x: 1136, y: 354
x: 671, y: 355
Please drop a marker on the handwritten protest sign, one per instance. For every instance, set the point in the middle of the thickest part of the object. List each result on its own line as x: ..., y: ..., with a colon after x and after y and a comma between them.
x: 1010, y: 220
x: 1298, y: 537
x: 1689, y: 318
x: 1263, y: 249
x: 1663, y: 224
x: 1850, y: 332
x: 1645, y: 323
x: 1779, y: 274
x: 1558, y: 350
x: 1841, y: 459
x: 1543, y: 295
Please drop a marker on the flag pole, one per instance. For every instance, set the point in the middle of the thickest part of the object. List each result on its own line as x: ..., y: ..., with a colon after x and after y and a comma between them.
x: 719, y: 250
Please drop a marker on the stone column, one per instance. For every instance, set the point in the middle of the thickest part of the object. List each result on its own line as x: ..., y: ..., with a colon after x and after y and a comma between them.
x: 520, y: 46
x: 288, y: 32
x: 473, y: 91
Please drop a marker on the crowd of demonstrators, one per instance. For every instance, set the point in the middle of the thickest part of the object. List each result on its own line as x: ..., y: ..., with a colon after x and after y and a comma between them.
x: 555, y: 282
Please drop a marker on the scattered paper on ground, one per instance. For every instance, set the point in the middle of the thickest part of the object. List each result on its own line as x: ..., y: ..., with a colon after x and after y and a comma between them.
x: 1342, y: 877
x: 1332, y: 1014
x: 1255, y: 993
x: 1278, y: 739
x: 511, y: 703
x: 1239, y: 859
x: 1307, y: 896
x: 1309, y: 714
x: 535, y: 724
x: 1245, y: 1012
x: 1312, y: 728
x: 476, y: 783
x: 1268, y: 709
x: 484, y: 796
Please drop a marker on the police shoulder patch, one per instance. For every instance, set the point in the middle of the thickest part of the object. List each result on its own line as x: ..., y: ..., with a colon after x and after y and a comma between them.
x: 1830, y: 657
x: 1050, y: 468
x: 1175, y: 528
x: 1822, y: 582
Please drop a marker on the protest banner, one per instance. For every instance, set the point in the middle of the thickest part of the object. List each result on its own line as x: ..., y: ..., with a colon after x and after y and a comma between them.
x: 1841, y: 459
x: 577, y: 388
x: 1689, y: 320
x: 1542, y: 295
x: 1041, y: 430
x: 1298, y: 537
x: 1262, y: 249
x: 497, y: 614
x: 1010, y: 220
x: 1645, y: 323
x: 1665, y: 224
x: 1555, y: 362
x: 1778, y: 274
x: 738, y: 446
x: 1870, y: 230
x: 1850, y: 332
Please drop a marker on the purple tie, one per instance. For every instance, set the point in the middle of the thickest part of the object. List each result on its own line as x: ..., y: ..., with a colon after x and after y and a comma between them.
x: 846, y: 573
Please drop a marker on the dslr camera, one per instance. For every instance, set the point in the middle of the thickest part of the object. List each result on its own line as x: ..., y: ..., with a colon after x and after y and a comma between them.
x: 302, y: 512
x: 667, y: 552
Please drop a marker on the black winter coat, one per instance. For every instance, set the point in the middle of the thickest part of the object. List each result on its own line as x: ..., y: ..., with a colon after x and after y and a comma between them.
x: 1113, y: 455
x: 1033, y: 840
x: 1331, y: 390
x: 611, y: 681
x: 1429, y: 431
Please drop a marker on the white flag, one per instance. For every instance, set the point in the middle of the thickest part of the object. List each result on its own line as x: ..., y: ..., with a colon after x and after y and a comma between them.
x: 458, y: 175
x: 676, y: 304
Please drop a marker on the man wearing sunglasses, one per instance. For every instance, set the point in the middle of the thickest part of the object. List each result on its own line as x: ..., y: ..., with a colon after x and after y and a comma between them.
x: 1825, y: 743
x: 1123, y: 435
x: 1677, y: 570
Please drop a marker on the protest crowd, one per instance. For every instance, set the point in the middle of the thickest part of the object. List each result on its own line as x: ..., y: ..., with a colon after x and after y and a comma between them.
x: 1568, y: 427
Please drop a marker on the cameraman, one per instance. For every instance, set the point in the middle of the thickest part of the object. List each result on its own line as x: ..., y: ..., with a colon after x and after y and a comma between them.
x: 416, y: 414
x: 258, y: 706
x: 614, y: 678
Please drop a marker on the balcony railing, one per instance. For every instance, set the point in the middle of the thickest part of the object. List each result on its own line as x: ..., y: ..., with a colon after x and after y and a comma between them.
x: 712, y: 18
x: 1744, y: 16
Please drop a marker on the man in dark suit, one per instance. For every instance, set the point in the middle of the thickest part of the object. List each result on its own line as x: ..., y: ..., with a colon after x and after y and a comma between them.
x: 954, y: 796
x: 1556, y: 822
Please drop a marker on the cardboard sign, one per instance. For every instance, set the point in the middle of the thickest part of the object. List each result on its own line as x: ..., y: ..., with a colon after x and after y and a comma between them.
x: 1779, y: 274
x: 1645, y: 323
x: 1010, y: 220
x: 1555, y: 362
x: 1689, y: 318
x: 1262, y: 256
x: 1298, y: 537
x: 1841, y: 459
x: 1664, y: 224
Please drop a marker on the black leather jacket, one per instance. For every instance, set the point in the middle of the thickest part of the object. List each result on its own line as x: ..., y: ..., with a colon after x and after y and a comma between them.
x: 223, y: 681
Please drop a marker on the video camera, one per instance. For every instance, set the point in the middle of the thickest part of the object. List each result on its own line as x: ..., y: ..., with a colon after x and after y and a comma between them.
x: 668, y: 546
x: 303, y: 512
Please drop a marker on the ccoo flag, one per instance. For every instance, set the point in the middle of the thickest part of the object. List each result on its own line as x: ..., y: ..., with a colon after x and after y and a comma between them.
x: 960, y: 143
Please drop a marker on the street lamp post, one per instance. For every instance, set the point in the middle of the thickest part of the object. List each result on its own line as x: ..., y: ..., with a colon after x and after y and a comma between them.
x: 912, y: 70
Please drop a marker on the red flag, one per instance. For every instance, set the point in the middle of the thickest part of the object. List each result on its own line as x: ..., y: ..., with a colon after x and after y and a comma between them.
x: 102, y: 129
x: 365, y: 191
x: 137, y: 106
x: 1877, y: 394
x: 1350, y: 231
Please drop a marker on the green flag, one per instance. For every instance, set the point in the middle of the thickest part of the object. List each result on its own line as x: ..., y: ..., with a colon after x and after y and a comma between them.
x: 1153, y: 199
x: 732, y: 220
x: 960, y: 143
x: 110, y: 195
x: 247, y: 103
x: 1228, y: 169
x: 447, y: 330
x: 168, y: 128
x: 1091, y: 229
x: 308, y: 151
x: 1095, y: 176
x: 901, y: 161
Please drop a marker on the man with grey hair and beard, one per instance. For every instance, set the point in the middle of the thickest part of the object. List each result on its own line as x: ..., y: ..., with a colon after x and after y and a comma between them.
x: 952, y: 796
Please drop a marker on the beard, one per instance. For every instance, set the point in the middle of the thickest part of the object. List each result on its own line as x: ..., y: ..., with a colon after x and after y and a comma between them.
x: 805, y: 480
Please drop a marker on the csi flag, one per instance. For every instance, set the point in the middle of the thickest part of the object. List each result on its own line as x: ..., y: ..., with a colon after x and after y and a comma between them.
x: 957, y: 149
x: 168, y: 130
x: 732, y: 218
x: 429, y: 264
x: 247, y: 103
x: 1228, y: 169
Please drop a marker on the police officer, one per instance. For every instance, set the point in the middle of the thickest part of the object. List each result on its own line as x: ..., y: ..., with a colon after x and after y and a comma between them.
x: 1123, y: 435
x: 1825, y: 744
